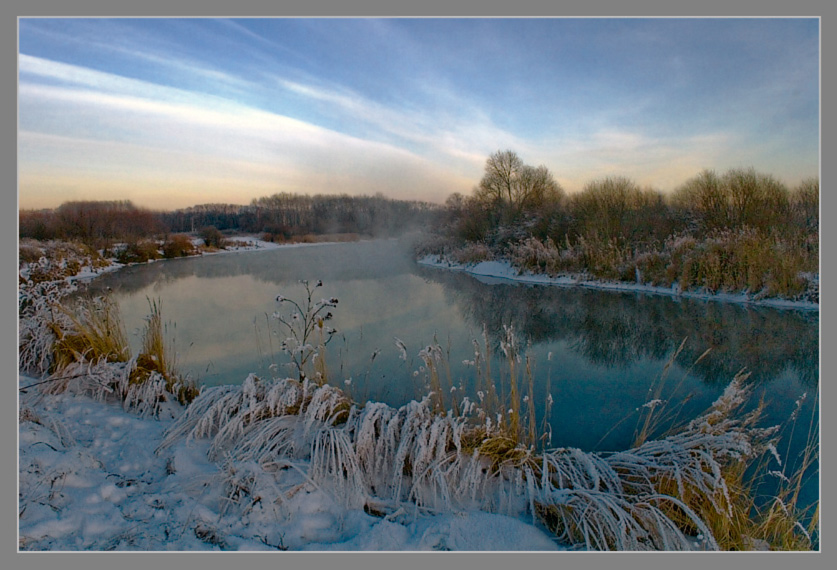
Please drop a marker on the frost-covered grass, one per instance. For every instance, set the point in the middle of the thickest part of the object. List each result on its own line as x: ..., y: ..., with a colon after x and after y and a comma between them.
x: 294, y: 463
x: 81, y: 345
x: 282, y: 464
x: 90, y: 480
x: 415, y: 459
x: 726, y: 261
x: 743, y: 261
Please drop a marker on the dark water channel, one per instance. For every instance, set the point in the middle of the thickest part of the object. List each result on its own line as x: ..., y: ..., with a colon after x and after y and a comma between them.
x: 597, y: 353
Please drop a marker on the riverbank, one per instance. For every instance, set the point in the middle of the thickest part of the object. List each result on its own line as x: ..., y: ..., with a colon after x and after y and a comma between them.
x: 265, y: 445
x: 501, y: 270
x: 89, y: 478
x: 70, y: 264
x: 90, y: 481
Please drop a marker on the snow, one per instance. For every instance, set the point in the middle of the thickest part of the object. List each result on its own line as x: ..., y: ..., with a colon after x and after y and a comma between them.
x: 235, y: 244
x: 492, y: 272
x: 89, y: 479
x: 93, y: 476
x: 240, y: 243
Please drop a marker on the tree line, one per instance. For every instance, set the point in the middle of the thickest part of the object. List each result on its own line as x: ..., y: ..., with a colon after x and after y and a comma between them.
x: 281, y: 216
x: 740, y: 230
x: 514, y: 200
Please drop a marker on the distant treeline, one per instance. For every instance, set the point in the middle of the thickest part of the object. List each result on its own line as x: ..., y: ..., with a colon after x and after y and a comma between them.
x: 738, y: 230
x: 279, y: 217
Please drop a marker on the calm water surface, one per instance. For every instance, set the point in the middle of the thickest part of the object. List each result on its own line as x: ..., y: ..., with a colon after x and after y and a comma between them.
x: 597, y: 353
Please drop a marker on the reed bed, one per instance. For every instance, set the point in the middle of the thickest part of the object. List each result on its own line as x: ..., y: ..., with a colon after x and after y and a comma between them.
x: 681, y: 490
x: 658, y: 495
x: 81, y: 346
x: 725, y: 260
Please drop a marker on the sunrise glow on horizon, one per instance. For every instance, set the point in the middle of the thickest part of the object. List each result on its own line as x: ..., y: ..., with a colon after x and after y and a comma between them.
x: 170, y: 113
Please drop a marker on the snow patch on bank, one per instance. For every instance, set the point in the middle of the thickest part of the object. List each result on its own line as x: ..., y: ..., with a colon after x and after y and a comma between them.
x: 492, y: 272
x: 89, y: 479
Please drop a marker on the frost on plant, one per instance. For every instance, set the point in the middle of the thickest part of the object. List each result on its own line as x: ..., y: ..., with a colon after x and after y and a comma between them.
x: 308, y: 333
x: 417, y: 458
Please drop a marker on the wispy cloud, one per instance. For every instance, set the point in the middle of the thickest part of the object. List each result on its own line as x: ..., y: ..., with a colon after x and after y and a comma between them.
x: 179, y: 136
x: 412, y: 108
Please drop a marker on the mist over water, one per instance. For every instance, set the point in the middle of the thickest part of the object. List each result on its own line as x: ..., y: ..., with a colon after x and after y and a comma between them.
x: 598, y: 353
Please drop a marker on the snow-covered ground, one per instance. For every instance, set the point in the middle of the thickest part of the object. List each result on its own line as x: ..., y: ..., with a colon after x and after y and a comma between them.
x: 90, y: 480
x: 95, y: 477
x: 235, y: 244
x: 499, y: 271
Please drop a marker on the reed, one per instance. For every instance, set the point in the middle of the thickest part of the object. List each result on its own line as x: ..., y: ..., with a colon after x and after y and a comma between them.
x: 156, y: 362
x: 682, y: 491
x: 95, y: 333
x: 691, y: 487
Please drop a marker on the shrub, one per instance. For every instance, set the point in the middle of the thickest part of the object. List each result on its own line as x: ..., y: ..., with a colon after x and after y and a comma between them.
x: 738, y: 198
x: 212, y: 237
x: 178, y: 245
x: 652, y: 267
x: 805, y: 204
x: 603, y: 258
x: 472, y: 253
x: 138, y: 252
x: 29, y: 251
x: 602, y: 208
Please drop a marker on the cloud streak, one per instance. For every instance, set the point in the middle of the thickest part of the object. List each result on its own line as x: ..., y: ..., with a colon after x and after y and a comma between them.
x: 228, y: 110
x: 180, y: 136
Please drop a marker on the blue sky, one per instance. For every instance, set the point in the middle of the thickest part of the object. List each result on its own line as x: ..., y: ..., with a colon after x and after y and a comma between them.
x: 175, y: 112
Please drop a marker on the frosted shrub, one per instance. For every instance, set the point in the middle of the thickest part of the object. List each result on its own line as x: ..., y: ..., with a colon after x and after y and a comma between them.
x: 473, y: 252
x: 533, y: 254
x: 736, y: 260
x: 603, y: 258
x: 55, y: 260
x: 650, y: 267
x: 305, y: 325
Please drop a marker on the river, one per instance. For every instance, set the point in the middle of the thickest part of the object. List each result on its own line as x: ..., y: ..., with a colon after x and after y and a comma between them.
x: 596, y: 356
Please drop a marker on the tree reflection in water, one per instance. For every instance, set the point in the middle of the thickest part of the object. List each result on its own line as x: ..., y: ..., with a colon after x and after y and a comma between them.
x: 609, y: 347
x: 618, y: 329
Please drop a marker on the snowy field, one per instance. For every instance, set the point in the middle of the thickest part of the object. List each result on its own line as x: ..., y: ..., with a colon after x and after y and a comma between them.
x: 90, y: 480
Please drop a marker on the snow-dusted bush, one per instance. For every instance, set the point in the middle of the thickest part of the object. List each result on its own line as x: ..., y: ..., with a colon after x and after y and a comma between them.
x: 472, y: 253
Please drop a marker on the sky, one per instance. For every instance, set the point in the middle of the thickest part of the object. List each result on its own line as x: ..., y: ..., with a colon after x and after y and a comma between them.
x: 170, y: 113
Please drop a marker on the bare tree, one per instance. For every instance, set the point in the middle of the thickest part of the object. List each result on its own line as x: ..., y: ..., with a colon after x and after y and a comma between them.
x: 705, y: 197
x: 501, y: 173
x: 603, y: 206
x: 741, y: 197
x: 805, y: 202
x: 511, y: 187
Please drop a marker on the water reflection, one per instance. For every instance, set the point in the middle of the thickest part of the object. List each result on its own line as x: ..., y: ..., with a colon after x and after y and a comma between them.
x: 617, y: 329
x: 608, y: 329
x: 608, y: 349
x: 329, y: 262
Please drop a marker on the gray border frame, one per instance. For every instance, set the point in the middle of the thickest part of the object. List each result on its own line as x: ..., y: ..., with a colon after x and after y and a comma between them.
x: 12, y: 9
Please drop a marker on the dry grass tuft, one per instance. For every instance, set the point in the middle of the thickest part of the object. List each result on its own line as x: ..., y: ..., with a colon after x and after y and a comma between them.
x: 96, y: 334
x: 157, y: 359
